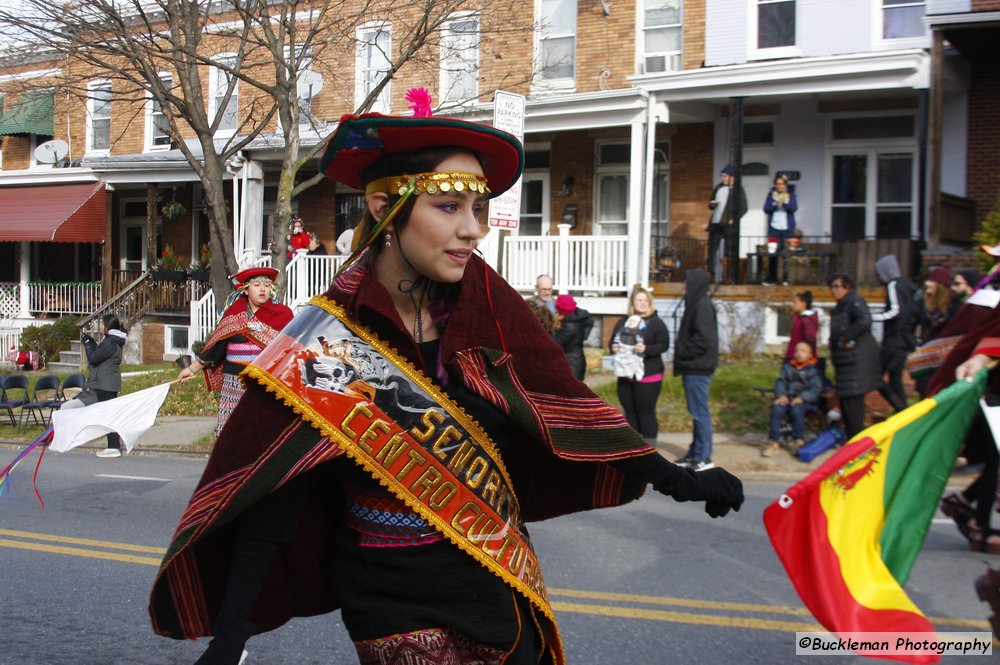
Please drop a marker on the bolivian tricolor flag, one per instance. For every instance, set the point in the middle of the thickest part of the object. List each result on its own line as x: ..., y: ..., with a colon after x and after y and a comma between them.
x: 848, y: 533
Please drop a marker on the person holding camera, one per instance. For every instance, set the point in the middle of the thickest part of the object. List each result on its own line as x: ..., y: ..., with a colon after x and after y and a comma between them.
x: 105, y: 372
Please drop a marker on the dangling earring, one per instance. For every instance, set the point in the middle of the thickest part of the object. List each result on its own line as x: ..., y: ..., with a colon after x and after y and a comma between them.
x: 388, y: 239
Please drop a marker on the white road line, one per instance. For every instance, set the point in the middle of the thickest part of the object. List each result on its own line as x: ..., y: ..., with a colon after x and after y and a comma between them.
x: 111, y: 475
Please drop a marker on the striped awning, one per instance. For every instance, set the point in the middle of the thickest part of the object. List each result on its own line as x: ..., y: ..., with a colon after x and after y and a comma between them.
x: 53, y: 213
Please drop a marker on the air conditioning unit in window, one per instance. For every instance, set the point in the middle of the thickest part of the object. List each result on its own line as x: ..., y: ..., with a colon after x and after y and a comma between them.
x: 662, y: 63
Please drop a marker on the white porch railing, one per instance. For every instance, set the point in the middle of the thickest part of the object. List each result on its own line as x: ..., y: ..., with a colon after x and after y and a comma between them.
x: 69, y: 298
x: 591, y: 264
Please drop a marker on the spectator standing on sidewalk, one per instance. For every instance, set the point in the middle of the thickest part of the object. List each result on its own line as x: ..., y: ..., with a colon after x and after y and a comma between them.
x: 105, y: 374
x: 543, y: 293
x: 573, y: 330
x: 853, y: 351
x: 644, y: 332
x: 695, y: 359
x: 898, y: 323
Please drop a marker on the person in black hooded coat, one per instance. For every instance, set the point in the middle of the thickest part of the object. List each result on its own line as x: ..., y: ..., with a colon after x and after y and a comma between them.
x: 854, y: 352
x: 573, y: 331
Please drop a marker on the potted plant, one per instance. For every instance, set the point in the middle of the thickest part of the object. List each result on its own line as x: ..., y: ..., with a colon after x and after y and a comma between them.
x: 173, y: 209
x: 199, y: 268
x: 167, y: 268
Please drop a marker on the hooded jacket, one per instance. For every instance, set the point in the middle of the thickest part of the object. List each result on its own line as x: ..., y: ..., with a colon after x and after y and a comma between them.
x: 853, y: 350
x: 571, y: 335
x: 105, y: 360
x: 899, y: 318
x: 697, y: 349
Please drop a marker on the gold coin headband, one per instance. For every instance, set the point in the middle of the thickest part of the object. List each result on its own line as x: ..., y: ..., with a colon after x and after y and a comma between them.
x: 430, y: 183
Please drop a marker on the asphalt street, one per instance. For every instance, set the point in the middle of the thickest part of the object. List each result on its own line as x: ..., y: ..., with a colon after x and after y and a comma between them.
x: 652, y: 582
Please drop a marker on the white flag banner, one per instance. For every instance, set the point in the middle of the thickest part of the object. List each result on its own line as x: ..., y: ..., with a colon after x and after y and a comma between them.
x: 130, y: 415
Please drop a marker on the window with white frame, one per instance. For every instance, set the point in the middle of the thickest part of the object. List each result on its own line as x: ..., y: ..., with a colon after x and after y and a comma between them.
x: 903, y: 18
x: 662, y: 35
x: 99, y: 116
x: 612, y: 175
x: 775, y: 24
x: 372, y: 64
x: 157, y: 126
x: 219, y: 86
x: 557, y: 40
x: 873, y: 165
x: 460, y: 59
x: 307, y: 85
x: 175, y: 340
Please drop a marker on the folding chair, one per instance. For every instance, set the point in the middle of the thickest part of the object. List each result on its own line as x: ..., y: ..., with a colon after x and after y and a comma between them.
x: 13, y: 394
x: 45, y: 395
x: 74, y: 383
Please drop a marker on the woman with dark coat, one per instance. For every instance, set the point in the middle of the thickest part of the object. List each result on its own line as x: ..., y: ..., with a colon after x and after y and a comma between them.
x: 105, y: 374
x: 853, y: 350
x: 574, y: 328
x: 645, y: 333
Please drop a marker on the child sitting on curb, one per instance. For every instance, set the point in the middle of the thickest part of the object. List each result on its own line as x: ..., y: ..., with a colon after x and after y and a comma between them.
x: 797, y: 389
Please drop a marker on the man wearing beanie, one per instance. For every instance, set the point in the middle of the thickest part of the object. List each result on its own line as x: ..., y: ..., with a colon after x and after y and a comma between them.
x: 724, y: 214
x: 574, y: 328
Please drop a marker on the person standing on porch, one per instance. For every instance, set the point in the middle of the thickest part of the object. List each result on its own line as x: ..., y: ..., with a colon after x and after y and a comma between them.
x: 780, y: 207
x: 724, y: 215
x: 695, y: 358
x: 249, y: 322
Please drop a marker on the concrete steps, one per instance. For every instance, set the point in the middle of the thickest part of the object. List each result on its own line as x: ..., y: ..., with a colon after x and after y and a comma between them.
x: 69, y: 361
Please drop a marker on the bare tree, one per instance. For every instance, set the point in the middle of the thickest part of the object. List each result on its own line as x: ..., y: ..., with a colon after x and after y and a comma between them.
x: 162, y: 51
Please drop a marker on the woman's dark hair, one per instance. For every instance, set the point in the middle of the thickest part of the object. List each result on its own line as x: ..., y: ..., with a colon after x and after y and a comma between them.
x: 844, y: 279
x: 111, y: 322
x: 806, y: 297
x: 403, y: 163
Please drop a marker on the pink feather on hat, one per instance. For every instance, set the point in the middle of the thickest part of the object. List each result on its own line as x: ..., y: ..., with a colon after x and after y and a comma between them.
x: 420, y: 102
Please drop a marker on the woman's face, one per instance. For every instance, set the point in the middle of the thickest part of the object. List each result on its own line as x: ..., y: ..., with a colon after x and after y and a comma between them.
x: 780, y: 184
x: 798, y: 305
x: 641, y: 304
x: 838, y: 290
x: 259, y: 292
x: 442, y: 231
x: 931, y: 287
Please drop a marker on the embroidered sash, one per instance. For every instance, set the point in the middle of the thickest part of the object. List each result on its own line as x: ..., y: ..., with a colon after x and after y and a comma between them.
x: 408, y: 434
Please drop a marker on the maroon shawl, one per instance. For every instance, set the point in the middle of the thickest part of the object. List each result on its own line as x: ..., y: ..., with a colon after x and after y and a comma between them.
x: 559, y: 468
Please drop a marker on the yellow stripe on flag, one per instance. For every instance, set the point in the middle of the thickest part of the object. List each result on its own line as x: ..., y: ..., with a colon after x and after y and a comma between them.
x: 855, y: 513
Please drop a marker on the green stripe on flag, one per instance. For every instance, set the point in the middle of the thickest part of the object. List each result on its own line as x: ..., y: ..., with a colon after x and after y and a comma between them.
x: 919, y: 462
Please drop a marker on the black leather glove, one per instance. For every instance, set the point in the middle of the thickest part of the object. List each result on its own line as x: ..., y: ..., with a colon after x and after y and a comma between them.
x: 87, y: 337
x: 720, y: 490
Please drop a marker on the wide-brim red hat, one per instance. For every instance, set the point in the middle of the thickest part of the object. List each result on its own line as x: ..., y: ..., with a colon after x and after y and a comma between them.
x: 361, y: 139
x: 245, y: 275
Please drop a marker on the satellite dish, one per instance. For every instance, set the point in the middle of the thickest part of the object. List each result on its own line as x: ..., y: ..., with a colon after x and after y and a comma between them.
x: 51, y: 152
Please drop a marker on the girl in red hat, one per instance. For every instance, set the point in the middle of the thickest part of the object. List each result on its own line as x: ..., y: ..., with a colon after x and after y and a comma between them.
x: 250, y: 320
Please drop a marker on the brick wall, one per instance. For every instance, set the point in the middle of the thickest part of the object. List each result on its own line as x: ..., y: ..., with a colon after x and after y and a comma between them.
x: 152, y: 343
x: 692, y: 177
x: 604, y: 44
x: 694, y: 34
x: 983, y: 157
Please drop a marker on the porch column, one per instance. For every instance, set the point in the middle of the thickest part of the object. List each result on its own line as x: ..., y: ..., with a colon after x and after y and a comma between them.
x: 931, y: 234
x: 637, y: 150
x: 562, y: 260
x: 252, y: 209
x: 24, y: 258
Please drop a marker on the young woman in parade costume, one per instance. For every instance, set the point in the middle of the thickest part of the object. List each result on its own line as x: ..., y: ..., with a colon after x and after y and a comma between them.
x: 409, y: 511
x: 249, y: 321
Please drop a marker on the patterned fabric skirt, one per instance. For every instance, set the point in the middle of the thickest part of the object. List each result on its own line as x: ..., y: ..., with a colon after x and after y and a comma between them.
x: 432, y: 646
x: 229, y: 396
